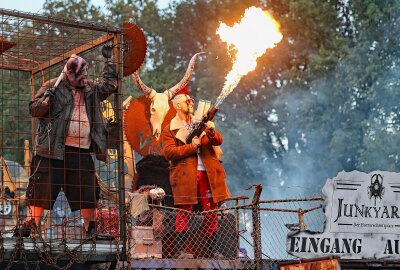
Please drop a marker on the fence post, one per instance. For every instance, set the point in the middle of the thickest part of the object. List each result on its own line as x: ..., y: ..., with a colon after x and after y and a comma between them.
x: 121, y: 164
x: 255, y: 212
x: 302, y: 225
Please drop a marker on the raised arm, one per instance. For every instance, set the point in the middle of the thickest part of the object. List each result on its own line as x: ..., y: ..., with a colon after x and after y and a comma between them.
x: 109, y: 84
x: 37, y: 106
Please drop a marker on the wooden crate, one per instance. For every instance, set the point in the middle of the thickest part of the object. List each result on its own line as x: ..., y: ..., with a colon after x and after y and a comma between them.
x: 143, y: 244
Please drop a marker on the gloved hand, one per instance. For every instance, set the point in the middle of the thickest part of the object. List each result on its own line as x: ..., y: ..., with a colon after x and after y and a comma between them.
x: 107, y: 51
x: 210, y: 125
x: 210, y: 129
x: 49, y: 94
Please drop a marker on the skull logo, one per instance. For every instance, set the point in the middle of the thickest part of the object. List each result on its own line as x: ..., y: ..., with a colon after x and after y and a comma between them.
x: 376, y: 189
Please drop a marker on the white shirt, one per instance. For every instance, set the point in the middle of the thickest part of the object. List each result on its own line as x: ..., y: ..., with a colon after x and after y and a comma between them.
x: 79, y: 127
x: 200, y: 165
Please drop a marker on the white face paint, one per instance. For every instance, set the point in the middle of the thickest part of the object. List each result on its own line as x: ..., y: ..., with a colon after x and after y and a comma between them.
x: 184, y: 103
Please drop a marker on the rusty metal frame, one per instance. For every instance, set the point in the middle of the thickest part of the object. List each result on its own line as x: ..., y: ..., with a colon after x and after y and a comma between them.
x: 110, y: 34
x: 64, y: 22
x: 78, y: 50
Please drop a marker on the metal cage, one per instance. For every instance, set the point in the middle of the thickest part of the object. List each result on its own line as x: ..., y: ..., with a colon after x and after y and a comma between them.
x: 33, y: 49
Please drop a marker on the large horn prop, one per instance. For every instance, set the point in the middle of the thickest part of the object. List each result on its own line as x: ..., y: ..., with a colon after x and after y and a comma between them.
x: 188, y: 75
x: 147, y: 91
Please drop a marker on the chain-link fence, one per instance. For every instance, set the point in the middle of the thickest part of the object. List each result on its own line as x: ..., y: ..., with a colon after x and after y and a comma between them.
x: 153, y: 234
x: 281, y: 217
x: 212, y: 239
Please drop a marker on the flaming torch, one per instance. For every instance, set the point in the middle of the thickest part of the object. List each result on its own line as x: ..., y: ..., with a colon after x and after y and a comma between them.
x: 247, y: 40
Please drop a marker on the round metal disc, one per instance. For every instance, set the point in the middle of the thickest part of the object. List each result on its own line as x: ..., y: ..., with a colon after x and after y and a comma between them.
x: 135, y: 48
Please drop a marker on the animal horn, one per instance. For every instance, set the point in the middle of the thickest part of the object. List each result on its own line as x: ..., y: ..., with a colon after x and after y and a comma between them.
x: 171, y: 92
x: 147, y: 91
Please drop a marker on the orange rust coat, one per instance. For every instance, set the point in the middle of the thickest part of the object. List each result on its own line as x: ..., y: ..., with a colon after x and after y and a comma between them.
x: 183, y: 165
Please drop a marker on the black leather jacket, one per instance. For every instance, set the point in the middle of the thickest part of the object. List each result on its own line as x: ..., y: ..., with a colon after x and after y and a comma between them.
x: 54, y: 118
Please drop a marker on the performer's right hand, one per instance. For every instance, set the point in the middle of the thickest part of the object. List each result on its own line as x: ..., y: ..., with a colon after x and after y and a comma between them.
x: 48, y: 95
x: 196, y: 142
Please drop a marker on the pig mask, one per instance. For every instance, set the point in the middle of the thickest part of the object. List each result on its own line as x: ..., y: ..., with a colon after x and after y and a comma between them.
x: 77, y: 71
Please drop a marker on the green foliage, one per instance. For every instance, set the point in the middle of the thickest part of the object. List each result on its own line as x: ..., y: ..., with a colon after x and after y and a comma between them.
x: 74, y: 10
x: 14, y: 118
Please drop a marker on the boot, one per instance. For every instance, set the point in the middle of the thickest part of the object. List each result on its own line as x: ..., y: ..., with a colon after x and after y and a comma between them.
x: 25, y: 229
x: 212, y: 247
x: 92, y: 233
x: 180, y: 246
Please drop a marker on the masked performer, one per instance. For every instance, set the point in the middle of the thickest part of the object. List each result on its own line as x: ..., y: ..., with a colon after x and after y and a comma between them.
x: 196, y: 174
x: 70, y: 128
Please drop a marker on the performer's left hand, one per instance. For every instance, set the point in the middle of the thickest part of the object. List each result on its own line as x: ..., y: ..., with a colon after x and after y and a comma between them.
x: 107, y: 51
x: 210, y: 125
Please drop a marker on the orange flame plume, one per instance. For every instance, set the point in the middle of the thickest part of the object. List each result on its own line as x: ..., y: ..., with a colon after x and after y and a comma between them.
x: 249, y: 39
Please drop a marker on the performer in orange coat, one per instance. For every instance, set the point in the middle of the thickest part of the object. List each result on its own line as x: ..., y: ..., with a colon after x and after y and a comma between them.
x: 196, y: 174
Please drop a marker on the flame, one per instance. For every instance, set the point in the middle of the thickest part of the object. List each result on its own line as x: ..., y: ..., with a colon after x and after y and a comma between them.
x: 249, y: 39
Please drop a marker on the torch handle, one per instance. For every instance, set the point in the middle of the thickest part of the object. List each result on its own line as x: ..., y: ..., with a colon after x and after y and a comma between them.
x: 199, y: 128
x: 59, y: 79
x: 61, y: 76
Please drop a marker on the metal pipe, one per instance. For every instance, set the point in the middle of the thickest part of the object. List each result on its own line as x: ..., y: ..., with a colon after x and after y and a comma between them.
x: 292, y: 200
x: 288, y: 210
x: 255, y: 212
x: 118, y: 117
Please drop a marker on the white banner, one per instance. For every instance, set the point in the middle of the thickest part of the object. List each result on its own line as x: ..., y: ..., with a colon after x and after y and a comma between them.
x: 362, y: 219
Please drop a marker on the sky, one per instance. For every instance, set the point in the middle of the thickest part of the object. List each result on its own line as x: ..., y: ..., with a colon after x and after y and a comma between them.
x: 35, y: 6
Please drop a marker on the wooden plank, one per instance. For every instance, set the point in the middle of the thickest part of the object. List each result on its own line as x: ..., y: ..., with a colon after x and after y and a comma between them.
x: 330, y: 264
x: 77, y: 50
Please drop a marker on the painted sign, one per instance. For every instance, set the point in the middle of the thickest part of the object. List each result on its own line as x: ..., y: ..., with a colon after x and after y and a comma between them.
x: 137, y: 127
x: 362, y: 219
